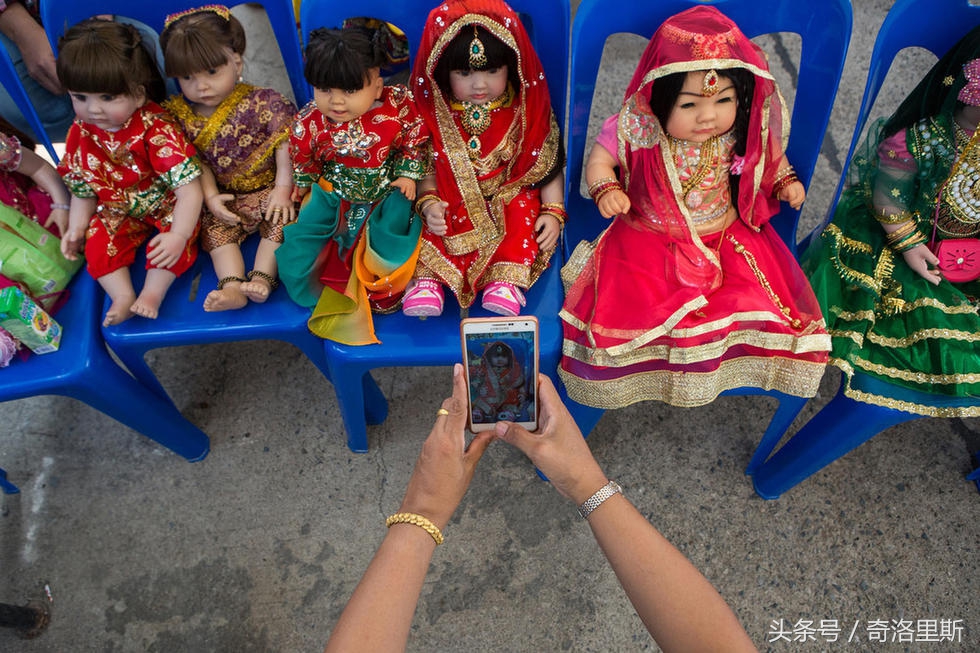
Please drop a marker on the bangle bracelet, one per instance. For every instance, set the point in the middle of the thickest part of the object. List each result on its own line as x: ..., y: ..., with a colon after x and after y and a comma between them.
x: 556, y: 209
x: 425, y: 200
x: 597, y: 499
x: 57, y: 206
x: 416, y: 520
x: 783, y: 182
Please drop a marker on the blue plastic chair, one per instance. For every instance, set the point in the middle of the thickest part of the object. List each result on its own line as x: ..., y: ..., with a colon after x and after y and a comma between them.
x: 58, y: 15
x: 82, y: 369
x: 11, y: 81
x: 825, y: 30
x: 409, y: 342
x: 844, y: 424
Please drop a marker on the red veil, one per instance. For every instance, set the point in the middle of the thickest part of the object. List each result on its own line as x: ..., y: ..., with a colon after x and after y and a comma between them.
x: 700, y: 38
x: 537, y: 131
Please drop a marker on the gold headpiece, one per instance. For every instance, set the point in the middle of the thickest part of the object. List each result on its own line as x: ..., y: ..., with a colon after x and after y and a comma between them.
x: 710, y: 84
x: 221, y: 10
x: 478, y: 54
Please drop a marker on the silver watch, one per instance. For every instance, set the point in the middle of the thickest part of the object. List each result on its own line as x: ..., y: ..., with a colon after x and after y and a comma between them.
x: 593, y: 502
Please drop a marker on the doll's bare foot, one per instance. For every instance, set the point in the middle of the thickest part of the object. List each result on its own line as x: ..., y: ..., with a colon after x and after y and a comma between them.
x: 119, y: 311
x: 228, y: 298
x: 147, y: 305
x: 258, y: 286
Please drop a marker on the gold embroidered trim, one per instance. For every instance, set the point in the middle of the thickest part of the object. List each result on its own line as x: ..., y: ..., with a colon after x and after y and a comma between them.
x: 778, y: 342
x: 689, y: 389
x: 926, y: 410
x: 785, y: 310
x: 925, y: 334
x: 914, y: 376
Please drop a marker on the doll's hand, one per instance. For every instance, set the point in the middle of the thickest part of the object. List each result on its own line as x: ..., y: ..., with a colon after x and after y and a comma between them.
x: 59, y: 218
x: 281, y: 209
x: 406, y: 186
x: 435, y: 217
x: 794, y: 193
x: 165, y: 249
x: 216, y: 204
x: 71, y: 243
x: 548, y: 228
x: 613, y: 203
x: 924, y: 262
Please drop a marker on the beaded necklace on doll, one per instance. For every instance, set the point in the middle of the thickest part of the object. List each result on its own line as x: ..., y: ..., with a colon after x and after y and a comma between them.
x: 959, y: 199
x: 476, y: 118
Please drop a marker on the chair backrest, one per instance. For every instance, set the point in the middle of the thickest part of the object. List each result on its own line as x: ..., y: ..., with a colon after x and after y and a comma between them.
x: 931, y: 24
x: 58, y: 15
x: 546, y: 22
x: 11, y: 82
x: 824, y: 28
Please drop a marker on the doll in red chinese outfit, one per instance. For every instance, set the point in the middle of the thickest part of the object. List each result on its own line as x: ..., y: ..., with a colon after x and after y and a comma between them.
x: 494, y: 203
x: 358, y: 151
x: 241, y: 133
x: 689, y: 292
x: 132, y: 173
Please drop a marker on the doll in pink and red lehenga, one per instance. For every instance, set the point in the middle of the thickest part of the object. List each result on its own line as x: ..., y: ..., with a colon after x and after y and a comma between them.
x: 689, y: 292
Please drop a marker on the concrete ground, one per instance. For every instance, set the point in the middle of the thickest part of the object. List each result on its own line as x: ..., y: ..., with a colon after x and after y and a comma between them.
x: 257, y: 547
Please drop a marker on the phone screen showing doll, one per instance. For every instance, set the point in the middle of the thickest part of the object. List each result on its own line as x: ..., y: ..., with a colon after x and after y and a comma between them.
x: 501, y: 369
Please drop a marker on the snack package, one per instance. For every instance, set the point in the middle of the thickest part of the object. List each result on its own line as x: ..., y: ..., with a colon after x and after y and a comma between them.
x: 25, y: 320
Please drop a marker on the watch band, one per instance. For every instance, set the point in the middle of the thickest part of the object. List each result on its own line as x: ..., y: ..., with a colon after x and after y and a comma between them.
x: 596, y: 500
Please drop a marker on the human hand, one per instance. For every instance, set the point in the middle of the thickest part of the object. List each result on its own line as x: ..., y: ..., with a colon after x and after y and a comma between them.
x: 281, y: 209
x: 406, y: 186
x: 794, y: 194
x: 921, y: 259
x: 445, y: 465
x: 613, y: 203
x: 72, y: 242
x: 59, y: 218
x: 548, y: 228
x: 216, y: 204
x: 435, y: 217
x: 557, y: 447
x: 165, y: 249
x: 34, y: 48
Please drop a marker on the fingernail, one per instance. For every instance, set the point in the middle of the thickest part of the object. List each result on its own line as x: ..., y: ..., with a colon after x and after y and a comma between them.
x: 457, y: 369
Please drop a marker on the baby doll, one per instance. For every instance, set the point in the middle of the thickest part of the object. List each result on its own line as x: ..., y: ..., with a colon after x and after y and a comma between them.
x: 499, y: 386
x: 689, y: 292
x: 494, y: 203
x: 242, y: 135
x: 358, y: 150
x: 893, y: 313
x: 129, y: 167
x: 30, y: 184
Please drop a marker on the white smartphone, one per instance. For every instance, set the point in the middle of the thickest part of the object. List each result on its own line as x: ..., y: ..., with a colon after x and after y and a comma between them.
x: 500, y: 359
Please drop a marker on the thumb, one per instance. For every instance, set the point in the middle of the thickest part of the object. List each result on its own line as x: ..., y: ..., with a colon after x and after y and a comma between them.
x: 513, y: 434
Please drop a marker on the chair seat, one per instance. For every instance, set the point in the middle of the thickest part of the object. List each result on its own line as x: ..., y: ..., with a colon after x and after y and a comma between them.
x: 82, y: 369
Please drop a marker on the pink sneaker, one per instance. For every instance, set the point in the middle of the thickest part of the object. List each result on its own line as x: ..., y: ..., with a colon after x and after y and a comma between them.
x: 423, y: 299
x: 503, y: 298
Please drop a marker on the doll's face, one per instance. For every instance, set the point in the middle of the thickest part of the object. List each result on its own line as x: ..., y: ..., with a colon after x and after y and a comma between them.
x: 105, y: 110
x: 340, y: 105
x: 696, y: 117
x: 209, y: 88
x: 478, y: 86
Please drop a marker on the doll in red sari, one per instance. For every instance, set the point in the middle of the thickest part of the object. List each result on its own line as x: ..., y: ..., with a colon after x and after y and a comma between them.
x: 498, y: 385
x: 494, y: 203
x: 689, y: 292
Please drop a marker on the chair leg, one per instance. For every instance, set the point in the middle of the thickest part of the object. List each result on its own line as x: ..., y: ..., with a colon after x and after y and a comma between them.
x: 121, y: 398
x: 787, y: 410
x: 135, y: 362
x: 5, y: 485
x: 375, y: 403
x: 839, y: 427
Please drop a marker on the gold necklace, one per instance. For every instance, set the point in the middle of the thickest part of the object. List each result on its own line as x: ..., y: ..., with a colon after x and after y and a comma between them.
x: 706, y: 155
x: 960, y: 195
x: 475, y: 118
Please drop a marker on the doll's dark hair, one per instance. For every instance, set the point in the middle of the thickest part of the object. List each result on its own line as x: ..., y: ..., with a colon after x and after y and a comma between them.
x: 104, y: 56
x: 668, y: 88
x: 456, y: 56
x: 342, y: 58
x: 200, y: 41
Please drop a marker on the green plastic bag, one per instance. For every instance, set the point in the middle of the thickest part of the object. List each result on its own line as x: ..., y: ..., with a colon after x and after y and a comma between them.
x: 30, y: 254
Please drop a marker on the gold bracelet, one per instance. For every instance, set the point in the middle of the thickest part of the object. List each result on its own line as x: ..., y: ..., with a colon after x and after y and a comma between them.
x: 599, y: 182
x: 416, y: 520
x: 901, y: 232
x: 892, y: 218
x: 425, y: 200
